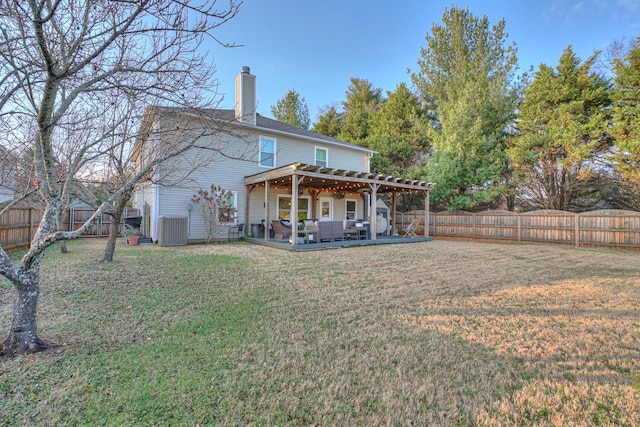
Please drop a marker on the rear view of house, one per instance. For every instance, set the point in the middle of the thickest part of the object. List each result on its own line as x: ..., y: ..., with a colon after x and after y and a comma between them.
x: 273, y: 170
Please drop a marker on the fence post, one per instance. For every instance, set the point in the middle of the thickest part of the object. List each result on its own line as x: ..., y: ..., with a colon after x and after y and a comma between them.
x: 576, y: 229
x: 473, y: 225
x: 426, y: 214
x: 30, y: 224
x: 434, y: 224
x: 519, y: 227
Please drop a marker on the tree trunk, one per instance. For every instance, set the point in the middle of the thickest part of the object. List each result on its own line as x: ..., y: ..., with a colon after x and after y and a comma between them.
x: 23, y: 336
x: 116, y: 218
x: 60, y: 225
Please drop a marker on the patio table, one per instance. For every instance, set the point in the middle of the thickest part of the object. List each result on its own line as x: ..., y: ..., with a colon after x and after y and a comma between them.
x: 352, y: 233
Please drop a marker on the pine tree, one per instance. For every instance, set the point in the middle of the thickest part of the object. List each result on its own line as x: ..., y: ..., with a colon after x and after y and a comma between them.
x: 466, y: 79
x: 329, y: 123
x: 563, y: 127
x: 362, y: 99
x: 398, y: 130
x: 626, y: 124
x: 292, y: 109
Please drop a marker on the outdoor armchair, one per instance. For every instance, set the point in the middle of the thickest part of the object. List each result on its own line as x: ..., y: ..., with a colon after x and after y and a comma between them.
x: 281, y: 231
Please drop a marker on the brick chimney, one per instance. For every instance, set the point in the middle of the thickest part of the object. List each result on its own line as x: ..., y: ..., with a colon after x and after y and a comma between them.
x: 246, y: 96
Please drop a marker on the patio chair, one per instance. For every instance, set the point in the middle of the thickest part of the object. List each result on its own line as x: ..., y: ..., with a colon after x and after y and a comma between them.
x: 281, y: 231
x: 235, y: 231
x: 410, y: 230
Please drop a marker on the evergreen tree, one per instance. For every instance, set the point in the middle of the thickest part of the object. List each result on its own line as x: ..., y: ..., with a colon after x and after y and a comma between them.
x: 292, y: 109
x: 398, y: 130
x: 362, y: 99
x: 626, y: 124
x: 563, y: 126
x: 466, y: 79
x: 329, y: 123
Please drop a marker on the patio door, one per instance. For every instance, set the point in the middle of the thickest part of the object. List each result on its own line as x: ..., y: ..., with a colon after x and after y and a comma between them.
x: 326, y: 209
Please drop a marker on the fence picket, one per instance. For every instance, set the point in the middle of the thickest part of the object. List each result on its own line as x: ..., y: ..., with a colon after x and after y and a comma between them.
x: 603, y: 228
x: 18, y: 225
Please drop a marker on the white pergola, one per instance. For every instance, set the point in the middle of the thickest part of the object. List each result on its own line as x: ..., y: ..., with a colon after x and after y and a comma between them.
x: 300, y: 177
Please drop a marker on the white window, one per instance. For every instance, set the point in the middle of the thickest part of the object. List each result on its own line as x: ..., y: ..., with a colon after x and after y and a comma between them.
x: 284, y: 208
x: 351, y: 208
x: 267, y: 154
x: 322, y: 157
x: 228, y: 208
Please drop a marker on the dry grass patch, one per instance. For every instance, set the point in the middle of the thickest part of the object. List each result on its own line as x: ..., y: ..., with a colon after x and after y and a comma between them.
x: 434, y: 333
x: 577, y: 341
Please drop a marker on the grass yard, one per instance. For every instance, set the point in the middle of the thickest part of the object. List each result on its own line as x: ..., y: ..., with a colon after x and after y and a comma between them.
x: 442, y: 333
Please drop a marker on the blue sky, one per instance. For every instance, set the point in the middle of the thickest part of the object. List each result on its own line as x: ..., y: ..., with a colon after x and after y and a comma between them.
x: 315, y: 47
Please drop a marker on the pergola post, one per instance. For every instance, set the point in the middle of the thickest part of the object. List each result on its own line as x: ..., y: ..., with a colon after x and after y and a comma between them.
x: 314, y: 202
x: 267, y: 190
x: 373, y: 211
x: 293, y: 218
x: 246, y: 208
x: 392, y: 220
x: 426, y: 213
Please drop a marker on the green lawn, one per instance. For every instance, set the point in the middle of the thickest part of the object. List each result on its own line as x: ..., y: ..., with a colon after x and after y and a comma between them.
x: 434, y: 333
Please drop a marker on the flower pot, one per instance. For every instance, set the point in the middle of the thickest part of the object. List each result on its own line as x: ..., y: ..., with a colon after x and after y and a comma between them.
x: 133, y: 240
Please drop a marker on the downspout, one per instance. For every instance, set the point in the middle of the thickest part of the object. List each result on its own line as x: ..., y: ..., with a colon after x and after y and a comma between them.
x: 156, y: 190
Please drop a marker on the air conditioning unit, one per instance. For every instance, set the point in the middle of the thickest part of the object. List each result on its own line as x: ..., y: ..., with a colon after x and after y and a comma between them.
x: 173, y: 230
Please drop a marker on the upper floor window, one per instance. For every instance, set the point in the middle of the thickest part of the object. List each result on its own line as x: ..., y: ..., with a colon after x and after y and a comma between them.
x: 322, y: 157
x: 267, y: 154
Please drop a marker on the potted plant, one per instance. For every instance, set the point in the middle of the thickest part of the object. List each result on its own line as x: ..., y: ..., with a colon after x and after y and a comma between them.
x: 132, y: 235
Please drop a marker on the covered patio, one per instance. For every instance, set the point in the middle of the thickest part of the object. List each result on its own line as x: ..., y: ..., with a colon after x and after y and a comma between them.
x: 298, y: 178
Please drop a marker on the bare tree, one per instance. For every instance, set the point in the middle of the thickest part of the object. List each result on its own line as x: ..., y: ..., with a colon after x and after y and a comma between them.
x: 215, y: 209
x: 61, y: 63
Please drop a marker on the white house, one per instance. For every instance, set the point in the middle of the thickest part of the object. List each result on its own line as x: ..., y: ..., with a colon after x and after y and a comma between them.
x: 274, y: 170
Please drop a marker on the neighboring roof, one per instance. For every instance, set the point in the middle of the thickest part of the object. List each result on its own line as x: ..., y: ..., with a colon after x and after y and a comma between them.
x: 336, y: 180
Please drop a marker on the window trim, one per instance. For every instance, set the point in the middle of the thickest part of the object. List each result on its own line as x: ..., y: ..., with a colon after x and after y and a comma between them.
x: 260, y: 151
x: 346, y: 212
x: 315, y: 156
x: 288, y: 196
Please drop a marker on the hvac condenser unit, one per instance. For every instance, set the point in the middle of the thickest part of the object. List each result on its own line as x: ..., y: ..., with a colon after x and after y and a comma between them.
x: 173, y: 230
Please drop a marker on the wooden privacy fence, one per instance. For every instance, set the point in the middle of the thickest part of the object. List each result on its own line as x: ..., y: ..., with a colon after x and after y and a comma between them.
x: 18, y: 225
x: 603, y: 228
